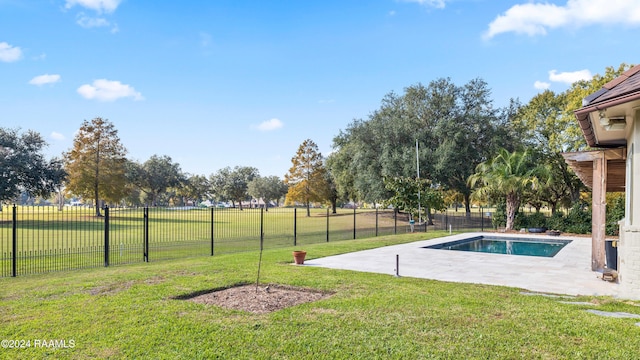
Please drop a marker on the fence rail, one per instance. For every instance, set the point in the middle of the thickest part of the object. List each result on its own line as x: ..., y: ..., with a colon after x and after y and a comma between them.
x: 42, y: 239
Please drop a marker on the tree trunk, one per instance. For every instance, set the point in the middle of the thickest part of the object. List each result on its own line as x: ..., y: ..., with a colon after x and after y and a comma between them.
x: 512, y: 207
x: 467, y: 204
x: 334, y: 206
x: 308, y: 210
x: 96, y: 181
x: 60, y: 201
x: 97, y: 200
x: 429, y: 216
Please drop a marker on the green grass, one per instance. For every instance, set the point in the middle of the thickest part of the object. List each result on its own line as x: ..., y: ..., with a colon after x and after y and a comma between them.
x: 46, y: 228
x: 129, y: 312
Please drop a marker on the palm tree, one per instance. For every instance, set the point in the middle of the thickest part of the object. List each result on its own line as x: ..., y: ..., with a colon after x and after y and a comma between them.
x: 507, y: 175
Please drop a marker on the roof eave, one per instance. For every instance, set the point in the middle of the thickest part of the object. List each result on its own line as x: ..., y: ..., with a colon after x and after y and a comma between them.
x: 582, y: 115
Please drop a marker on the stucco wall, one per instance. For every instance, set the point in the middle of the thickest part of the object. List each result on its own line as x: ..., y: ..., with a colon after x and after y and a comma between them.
x: 629, y: 244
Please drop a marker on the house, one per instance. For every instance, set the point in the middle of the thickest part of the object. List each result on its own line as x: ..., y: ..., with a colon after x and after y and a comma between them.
x: 610, y: 122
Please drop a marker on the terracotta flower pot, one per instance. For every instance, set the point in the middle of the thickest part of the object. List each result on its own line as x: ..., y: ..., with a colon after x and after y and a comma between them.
x: 298, y: 256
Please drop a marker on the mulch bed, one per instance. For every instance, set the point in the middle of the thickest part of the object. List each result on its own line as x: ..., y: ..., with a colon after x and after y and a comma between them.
x: 259, y: 300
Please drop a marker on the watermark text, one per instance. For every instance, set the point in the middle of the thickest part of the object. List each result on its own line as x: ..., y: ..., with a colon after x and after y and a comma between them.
x: 38, y: 343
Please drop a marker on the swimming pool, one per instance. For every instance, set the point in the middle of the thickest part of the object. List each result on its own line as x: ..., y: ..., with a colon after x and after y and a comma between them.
x: 505, y: 245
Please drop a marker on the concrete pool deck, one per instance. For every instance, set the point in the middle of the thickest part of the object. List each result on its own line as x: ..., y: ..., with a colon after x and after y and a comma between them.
x: 569, y: 272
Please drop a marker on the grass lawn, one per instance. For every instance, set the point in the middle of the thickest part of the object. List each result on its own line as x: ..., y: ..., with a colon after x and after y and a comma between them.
x: 129, y: 312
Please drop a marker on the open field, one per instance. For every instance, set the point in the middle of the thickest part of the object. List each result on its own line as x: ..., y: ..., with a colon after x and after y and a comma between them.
x: 131, y: 312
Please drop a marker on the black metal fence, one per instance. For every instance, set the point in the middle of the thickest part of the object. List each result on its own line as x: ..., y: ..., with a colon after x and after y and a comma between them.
x: 462, y: 221
x: 42, y: 239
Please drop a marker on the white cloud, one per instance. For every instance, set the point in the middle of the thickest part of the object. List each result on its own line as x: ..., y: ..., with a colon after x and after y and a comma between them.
x: 45, y: 79
x: 9, y: 53
x: 91, y: 22
x: 570, y: 77
x: 88, y: 22
x: 100, y: 6
x: 541, y: 85
x: 438, y: 4
x: 536, y: 18
x: 270, y: 125
x: 107, y: 90
x: 57, y: 136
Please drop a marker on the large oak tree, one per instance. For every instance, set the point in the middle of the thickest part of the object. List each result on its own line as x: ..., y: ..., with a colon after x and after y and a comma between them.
x: 155, y: 176
x: 23, y: 167
x: 456, y: 128
x: 267, y: 188
x: 233, y: 184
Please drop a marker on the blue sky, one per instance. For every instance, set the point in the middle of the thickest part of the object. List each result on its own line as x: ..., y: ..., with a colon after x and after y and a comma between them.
x: 243, y: 82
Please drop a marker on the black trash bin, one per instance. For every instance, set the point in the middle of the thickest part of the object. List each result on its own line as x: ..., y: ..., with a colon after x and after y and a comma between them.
x: 611, y: 253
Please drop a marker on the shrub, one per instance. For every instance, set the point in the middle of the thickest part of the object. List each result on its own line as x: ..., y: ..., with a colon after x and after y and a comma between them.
x: 520, y: 221
x: 556, y: 222
x: 535, y: 220
x: 615, y: 213
x: 499, y: 217
x: 578, y: 220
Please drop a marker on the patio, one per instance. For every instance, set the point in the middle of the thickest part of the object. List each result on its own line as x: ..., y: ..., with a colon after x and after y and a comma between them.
x: 569, y: 272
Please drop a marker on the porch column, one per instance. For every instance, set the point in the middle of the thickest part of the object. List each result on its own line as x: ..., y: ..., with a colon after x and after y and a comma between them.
x: 599, y: 210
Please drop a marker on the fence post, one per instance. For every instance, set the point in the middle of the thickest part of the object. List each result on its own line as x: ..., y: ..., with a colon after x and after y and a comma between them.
x: 354, y: 222
x: 481, y: 219
x: 261, y: 228
x: 146, y: 234
x: 14, y: 242
x: 106, y: 236
x: 327, y: 224
x: 376, y: 220
x: 212, y: 228
x: 295, y: 224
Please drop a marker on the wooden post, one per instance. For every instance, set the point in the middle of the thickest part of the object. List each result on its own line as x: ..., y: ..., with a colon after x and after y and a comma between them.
x: 599, y: 210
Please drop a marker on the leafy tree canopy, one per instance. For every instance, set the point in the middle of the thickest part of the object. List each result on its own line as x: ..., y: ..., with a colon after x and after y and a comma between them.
x: 232, y: 184
x: 267, y: 188
x: 456, y: 128
x: 307, y: 176
x: 23, y: 167
x: 96, y: 163
x: 507, y: 176
x: 155, y: 176
x: 414, y: 196
x: 196, y: 188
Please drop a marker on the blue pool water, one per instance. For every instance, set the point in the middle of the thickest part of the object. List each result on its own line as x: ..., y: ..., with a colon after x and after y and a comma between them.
x: 505, y: 245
